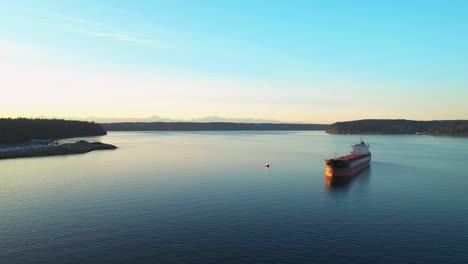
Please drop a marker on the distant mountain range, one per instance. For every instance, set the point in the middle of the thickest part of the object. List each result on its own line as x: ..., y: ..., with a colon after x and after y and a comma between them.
x: 401, y: 126
x: 156, y: 118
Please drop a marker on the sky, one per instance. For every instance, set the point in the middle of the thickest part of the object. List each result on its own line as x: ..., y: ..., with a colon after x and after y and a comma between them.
x: 293, y: 61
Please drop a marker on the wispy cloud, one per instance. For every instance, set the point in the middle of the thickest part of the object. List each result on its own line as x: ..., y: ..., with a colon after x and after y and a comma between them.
x: 78, y: 20
x: 100, y: 30
x: 116, y: 36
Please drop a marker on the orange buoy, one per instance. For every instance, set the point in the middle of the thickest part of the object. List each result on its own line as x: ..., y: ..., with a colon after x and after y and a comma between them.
x: 267, y: 165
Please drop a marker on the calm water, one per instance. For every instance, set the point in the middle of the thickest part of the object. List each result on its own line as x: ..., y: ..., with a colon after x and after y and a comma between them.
x: 206, y: 198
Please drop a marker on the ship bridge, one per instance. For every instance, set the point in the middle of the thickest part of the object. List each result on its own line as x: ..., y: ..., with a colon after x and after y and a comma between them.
x: 360, y: 148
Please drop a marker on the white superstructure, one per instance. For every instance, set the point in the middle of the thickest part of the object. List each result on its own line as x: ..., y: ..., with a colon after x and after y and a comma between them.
x: 360, y: 148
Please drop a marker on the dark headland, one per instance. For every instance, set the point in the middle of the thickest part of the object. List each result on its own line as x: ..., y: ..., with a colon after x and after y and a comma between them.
x: 401, y: 126
x: 20, y: 130
x: 23, y: 137
x: 211, y: 126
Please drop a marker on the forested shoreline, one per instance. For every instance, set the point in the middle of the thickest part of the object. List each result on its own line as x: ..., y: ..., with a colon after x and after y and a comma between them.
x: 21, y: 130
x: 401, y: 126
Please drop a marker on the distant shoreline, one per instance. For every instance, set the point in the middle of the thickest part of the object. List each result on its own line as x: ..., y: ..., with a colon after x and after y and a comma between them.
x: 457, y: 128
x: 212, y: 126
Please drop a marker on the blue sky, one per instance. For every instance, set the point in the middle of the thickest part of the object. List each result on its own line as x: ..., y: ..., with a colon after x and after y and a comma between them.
x: 301, y: 61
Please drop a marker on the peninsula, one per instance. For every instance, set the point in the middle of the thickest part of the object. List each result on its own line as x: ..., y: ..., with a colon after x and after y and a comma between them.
x: 23, y: 137
x: 401, y: 126
x: 38, y: 149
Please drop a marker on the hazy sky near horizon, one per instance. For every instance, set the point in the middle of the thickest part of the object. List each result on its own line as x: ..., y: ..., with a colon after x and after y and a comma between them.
x: 296, y: 61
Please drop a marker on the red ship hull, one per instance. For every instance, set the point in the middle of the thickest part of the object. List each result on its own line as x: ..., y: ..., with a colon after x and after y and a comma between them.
x: 347, y: 165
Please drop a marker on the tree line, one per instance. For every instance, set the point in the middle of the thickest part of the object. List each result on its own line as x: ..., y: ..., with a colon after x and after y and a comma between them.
x: 18, y: 130
x: 211, y: 126
x: 401, y: 126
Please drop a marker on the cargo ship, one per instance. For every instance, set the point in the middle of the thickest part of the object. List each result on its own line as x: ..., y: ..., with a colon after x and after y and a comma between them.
x: 351, y: 164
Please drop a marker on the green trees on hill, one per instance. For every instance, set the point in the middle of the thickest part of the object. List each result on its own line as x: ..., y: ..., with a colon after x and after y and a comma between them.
x: 23, y: 129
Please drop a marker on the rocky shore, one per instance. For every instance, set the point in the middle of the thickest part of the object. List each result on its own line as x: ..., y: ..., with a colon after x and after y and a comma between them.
x: 47, y: 149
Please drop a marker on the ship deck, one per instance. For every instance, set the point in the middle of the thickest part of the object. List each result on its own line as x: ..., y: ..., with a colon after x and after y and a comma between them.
x: 351, y: 157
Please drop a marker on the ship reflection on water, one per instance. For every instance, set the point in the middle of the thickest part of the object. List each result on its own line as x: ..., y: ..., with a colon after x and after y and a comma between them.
x: 343, y: 182
x: 337, y: 182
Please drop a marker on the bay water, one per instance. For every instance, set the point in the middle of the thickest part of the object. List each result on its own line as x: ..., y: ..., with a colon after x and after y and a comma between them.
x: 205, y: 197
